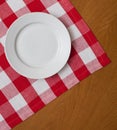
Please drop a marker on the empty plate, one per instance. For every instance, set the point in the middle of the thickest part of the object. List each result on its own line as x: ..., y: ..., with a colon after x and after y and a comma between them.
x: 37, y: 45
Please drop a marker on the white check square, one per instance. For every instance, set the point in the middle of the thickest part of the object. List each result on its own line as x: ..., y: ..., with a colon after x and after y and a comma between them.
x: 1, y: 118
x: 66, y: 71
x: 16, y: 4
x: 74, y: 32
x: 17, y: 102
x: 87, y: 55
x: 56, y: 10
x: 40, y: 86
x: 4, y: 80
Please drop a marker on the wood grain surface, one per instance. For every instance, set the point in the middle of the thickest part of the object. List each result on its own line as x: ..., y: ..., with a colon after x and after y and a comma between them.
x: 92, y: 104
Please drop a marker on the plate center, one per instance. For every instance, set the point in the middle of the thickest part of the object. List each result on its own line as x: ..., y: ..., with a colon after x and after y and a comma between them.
x: 36, y: 45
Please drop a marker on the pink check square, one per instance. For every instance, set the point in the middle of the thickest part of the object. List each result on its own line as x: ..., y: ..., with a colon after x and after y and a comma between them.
x: 11, y: 73
x: 4, y: 125
x: 53, y: 80
x: 75, y: 62
x: 10, y: 91
x: 66, y: 20
x: 22, y: 11
x: 29, y: 91
x: 97, y: 49
x: 82, y: 26
x: 70, y: 80
x: 93, y: 66
x: 5, y: 10
x: 6, y: 109
x: 47, y: 96
x: 66, y: 5
x: 80, y: 44
x: 3, y: 29
x: 25, y: 112
x: 48, y: 3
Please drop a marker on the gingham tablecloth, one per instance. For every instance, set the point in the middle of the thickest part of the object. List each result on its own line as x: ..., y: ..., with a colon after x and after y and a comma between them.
x: 21, y: 97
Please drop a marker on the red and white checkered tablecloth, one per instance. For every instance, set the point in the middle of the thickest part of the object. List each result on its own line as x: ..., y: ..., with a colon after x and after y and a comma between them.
x: 21, y: 97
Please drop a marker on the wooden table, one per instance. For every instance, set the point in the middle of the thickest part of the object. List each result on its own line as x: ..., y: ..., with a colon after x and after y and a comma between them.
x: 92, y: 104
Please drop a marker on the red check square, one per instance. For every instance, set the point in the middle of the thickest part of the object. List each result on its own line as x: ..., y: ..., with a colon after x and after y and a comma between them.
x: 74, y: 15
x: 36, y: 6
x: 2, y: 1
x: 3, y: 62
x: 1, y: 50
x: 28, y: 1
x: 3, y: 99
x: 104, y: 62
x: 36, y: 104
x: 59, y: 88
x: 53, y: 80
x: 73, y: 52
x: 13, y: 120
x: 82, y: 73
x: 90, y: 38
x: 9, y: 20
x: 21, y: 83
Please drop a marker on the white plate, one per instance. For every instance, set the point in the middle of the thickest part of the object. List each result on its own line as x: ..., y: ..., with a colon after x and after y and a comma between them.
x: 37, y: 45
